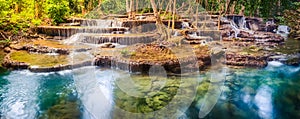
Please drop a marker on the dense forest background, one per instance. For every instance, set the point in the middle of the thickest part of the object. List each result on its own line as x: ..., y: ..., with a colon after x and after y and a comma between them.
x: 17, y: 15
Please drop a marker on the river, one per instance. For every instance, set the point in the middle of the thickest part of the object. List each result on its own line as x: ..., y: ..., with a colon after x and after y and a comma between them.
x: 95, y: 92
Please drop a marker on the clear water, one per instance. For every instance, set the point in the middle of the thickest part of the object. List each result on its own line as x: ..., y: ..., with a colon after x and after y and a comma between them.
x: 93, y: 92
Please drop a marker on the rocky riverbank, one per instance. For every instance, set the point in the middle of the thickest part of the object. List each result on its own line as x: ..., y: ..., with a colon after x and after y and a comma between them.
x: 242, y: 41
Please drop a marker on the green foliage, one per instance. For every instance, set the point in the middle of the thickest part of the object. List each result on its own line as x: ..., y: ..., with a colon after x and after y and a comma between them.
x: 5, y: 42
x: 20, y: 15
x: 113, y: 6
x: 124, y: 52
x: 146, y: 10
x: 168, y: 16
x: 127, y: 53
x: 40, y: 60
x: 17, y: 15
x: 36, y: 22
x: 58, y: 10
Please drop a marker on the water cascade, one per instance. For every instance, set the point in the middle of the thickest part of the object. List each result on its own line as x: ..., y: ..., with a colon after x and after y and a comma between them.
x: 283, y: 30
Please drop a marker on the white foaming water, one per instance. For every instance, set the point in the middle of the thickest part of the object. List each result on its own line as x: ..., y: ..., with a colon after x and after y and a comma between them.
x: 73, y: 39
x: 102, y: 23
x: 283, y: 30
x: 275, y: 64
x: 263, y: 100
x: 95, y: 92
x: 185, y: 25
x: 235, y: 29
x: 278, y: 66
x: 243, y: 23
x: 20, y: 99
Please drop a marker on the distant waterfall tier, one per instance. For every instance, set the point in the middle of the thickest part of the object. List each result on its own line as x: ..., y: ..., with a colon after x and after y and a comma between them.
x: 103, y: 23
x: 68, y: 31
x: 123, y: 39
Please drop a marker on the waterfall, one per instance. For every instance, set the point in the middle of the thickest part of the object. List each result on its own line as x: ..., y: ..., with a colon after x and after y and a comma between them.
x: 238, y: 24
x: 243, y: 23
x: 95, y: 91
x: 283, y: 30
x: 235, y: 29
x: 185, y: 25
x: 73, y: 39
x: 101, y: 23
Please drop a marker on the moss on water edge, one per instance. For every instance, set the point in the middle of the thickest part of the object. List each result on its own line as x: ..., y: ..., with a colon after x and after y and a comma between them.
x: 154, y: 94
x: 2, y: 55
x: 50, y: 43
x: 291, y: 46
x: 67, y: 110
x: 41, y: 60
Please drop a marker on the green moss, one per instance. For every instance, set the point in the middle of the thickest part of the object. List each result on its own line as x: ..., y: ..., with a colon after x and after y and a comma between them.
x: 291, y: 46
x: 2, y: 55
x: 49, y: 43
x: 67, y: 110
x: 169, y: 16
x: 154, y: 95
x: 41, y: 60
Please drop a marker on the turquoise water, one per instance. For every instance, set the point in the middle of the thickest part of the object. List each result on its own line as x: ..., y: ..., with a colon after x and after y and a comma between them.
x: 93, y: 92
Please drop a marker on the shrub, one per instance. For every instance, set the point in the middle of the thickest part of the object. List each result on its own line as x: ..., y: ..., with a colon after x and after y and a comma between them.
x: 58, y: 10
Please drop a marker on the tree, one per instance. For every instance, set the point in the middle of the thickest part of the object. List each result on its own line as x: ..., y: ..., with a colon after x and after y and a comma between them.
x: 159, y: 24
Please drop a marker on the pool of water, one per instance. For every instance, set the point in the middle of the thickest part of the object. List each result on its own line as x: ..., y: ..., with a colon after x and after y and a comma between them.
x: 93, y: 92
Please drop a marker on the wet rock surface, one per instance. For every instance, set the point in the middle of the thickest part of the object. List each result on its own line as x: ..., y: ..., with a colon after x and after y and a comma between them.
x: 246, y: 41
x: 245, y: 60
x: 148, y: 55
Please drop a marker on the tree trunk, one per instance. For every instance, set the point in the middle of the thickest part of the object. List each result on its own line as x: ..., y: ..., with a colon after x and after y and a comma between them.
x: 228, y: 2
x: 174, y: 12
x: 36, y: 5
x: 232, y: 10
x: 137, y: 6
x: 82, y: 9
x: 131, y: 15
x: 127, y: 7
x: 242, y: 10
x: 197, y: 16
x: 159, y: 25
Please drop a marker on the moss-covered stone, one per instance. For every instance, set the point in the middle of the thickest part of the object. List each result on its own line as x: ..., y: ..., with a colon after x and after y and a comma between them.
x: 2, y: 55
x: 41, y: 60
x: 64, y: 110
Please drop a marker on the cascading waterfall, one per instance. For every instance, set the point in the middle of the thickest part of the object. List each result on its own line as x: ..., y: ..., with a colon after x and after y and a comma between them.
x: 74, y: 38
x: 283, y: 30
x: 102, y: 23
x: 95, y: 94
x: 238, y: 25
x: 235, y: 29
x: 243, y: 24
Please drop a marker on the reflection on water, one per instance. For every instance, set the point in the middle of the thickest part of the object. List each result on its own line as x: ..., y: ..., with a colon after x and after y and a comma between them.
x: 260, y: 93
x: 91, y: 92
x: 95, y: 91
x: 263, y: 100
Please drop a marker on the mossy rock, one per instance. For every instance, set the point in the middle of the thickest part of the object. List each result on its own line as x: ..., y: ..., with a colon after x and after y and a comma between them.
x: 40, y: 60
x: 293, y: 61
x: 67, y: 110
x: 2, y: 55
